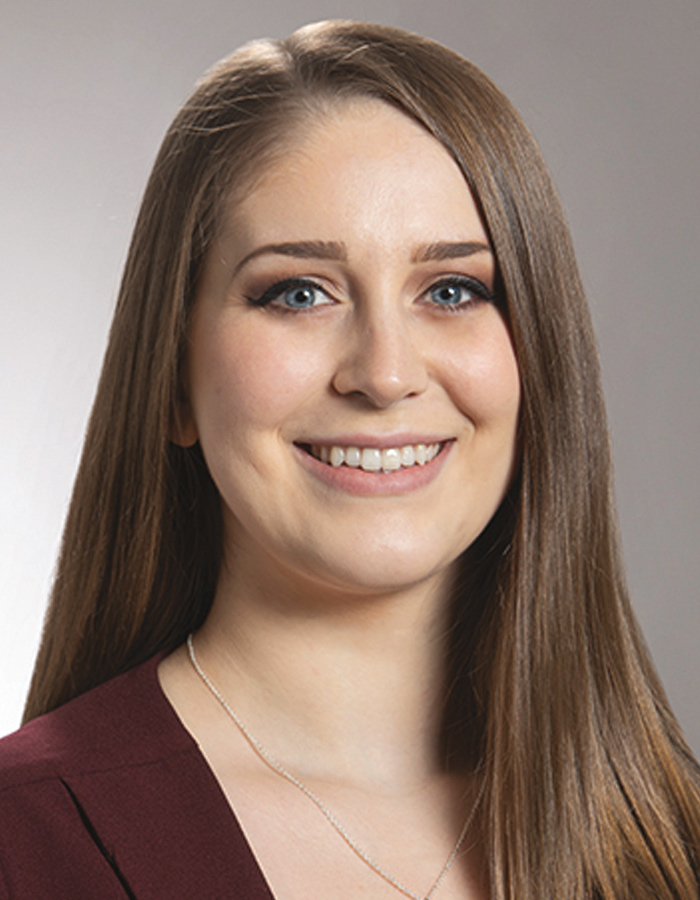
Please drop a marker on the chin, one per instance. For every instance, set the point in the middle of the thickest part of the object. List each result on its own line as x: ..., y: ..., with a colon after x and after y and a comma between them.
x: 376, y: 568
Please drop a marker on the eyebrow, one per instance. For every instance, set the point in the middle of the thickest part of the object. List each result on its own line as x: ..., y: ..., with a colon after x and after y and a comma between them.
x: 449, y: 250
x: 300, y: 250
x: 334, y: 250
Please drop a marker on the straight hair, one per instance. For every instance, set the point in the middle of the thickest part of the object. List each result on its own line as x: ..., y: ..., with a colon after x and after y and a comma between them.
x: 591, y: 792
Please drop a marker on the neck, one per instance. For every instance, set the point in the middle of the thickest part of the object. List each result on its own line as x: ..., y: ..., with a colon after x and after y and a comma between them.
x: 337, y: 685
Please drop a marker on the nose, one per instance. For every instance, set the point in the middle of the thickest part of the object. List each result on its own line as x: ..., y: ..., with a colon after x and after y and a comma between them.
x: 382, y: 360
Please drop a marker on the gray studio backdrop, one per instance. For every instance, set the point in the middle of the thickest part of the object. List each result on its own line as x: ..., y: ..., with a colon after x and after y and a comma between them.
x: 610, y: 89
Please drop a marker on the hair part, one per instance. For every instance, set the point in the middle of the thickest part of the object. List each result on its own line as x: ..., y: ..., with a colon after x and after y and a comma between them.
x: 591, y: 791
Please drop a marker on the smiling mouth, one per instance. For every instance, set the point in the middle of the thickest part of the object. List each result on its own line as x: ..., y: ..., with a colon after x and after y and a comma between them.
x: 374, y: 459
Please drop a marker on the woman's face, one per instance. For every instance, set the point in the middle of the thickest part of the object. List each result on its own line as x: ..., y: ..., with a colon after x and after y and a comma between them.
x: 352, y: 384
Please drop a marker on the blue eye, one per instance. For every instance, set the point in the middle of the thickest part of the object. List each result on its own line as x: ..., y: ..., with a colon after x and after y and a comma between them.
x: 292, y: 294
x: 458, y: 293
x: 301, y: 296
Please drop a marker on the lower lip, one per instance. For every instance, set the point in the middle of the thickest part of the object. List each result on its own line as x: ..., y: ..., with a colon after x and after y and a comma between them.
x: 375, y: 484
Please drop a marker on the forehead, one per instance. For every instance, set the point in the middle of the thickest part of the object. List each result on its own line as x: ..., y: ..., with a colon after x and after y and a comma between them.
x: 358, y: 164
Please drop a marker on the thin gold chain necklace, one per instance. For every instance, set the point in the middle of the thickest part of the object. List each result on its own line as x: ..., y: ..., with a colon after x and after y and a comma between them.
x: 279, y: 769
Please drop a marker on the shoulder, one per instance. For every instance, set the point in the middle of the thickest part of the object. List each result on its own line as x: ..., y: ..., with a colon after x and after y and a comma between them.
x: 74, y: 782
x: 125, y: 721
x: 108, y: 796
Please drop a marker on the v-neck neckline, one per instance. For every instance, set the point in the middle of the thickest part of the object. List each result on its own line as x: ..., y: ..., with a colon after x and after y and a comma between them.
x: 215, y: 793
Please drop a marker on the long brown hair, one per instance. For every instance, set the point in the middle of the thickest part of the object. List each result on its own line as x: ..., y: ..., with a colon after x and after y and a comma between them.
x: 591, y: 791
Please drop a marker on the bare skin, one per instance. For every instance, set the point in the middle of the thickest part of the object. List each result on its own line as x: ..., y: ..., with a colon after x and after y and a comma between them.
x: 364, y: 744
x: 327, y: 630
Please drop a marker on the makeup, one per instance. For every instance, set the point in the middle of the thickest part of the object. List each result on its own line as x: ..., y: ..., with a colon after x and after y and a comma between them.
x: 369, y: 477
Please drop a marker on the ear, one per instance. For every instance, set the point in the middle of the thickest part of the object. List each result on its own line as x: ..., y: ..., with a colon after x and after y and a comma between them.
x: 183, y: 429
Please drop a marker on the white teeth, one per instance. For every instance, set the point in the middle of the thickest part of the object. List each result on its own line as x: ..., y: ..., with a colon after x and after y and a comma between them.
x: 408, y: 455
x: 353, y: 457
x: 372, y: 459
x: 391, y: 459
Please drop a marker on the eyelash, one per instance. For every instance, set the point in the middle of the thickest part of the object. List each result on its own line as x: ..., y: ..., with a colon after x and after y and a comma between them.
x: 280, y: 287
x: 476, y: 288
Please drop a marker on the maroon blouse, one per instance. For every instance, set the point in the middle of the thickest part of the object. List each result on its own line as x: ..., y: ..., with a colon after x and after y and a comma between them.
x: 109, y: 797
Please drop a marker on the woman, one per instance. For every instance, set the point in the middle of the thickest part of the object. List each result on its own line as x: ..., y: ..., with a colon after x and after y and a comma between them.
x: 345, y: 502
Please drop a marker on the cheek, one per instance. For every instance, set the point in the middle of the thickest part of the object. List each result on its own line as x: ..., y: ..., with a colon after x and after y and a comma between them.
x: 485, y: 379
x: 246, y: 375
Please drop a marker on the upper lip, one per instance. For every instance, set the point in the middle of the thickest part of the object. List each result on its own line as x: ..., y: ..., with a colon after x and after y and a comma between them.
x: 381, y: 441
